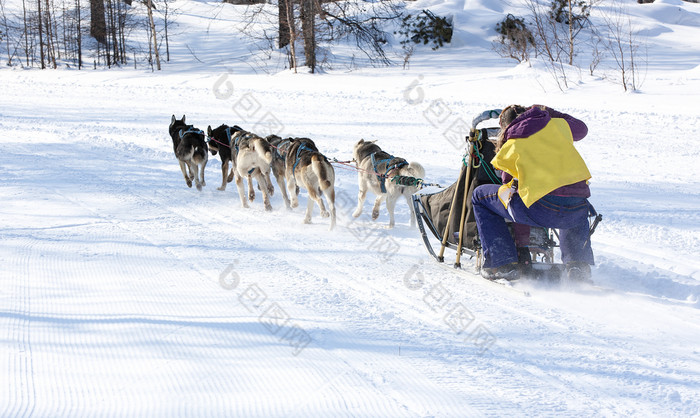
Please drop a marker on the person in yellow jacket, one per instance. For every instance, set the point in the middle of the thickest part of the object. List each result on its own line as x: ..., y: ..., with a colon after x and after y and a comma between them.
x: 545, y: 184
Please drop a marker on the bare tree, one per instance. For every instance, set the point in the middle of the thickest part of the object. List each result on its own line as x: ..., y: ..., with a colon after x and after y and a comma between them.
x: 623, y: 46
x: 166, y: 21
x: 318, y: 22
x: 291, y: 25
x: 149, y: 6
x: 41, y: 35
x: 78, y: 33
x: 548, y: 42
x: 573, y: 14
x: 25, y: 31
x: 5, y: 31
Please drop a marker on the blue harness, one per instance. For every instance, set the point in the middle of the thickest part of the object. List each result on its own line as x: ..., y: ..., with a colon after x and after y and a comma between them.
x: 283, y: 144
x: 299, y: 150
x: 235, y: 143
x: 191, y: 130
x: 400, y: 162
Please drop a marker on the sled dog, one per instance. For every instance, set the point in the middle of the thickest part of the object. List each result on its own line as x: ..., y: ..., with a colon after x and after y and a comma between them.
x: 306, y: 166
x: 223, y: 148
x: 190, y: 149
x: 376, y: 169
x: 279, y: 156
x: 250, y: 157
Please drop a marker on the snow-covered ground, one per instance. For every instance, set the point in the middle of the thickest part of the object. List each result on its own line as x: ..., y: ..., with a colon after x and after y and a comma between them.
x: 123, y: 292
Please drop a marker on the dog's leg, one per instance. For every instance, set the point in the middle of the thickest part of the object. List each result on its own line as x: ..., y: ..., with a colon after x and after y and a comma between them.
x: 330, y: 197
x: 241, y: 190
x: 377, y: 205
x: 194, y: 168
x: 270, y: 187
x: 292, y: 189
x: 313, y: 197
x: 224, y: 172
x: 251, y: 190
x: 230, y: 175
x: 412, y: 209
x: 184, y: 174
x: 390, y: 206
x: 189, y: 167
x: 264, y: 187
x: 361, y: 196
x: 201, y: 173
x: 283, y: 189
x: 324, y: 212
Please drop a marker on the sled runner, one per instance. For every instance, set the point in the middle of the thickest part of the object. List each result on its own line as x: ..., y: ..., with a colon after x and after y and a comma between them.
x: 447, y: 212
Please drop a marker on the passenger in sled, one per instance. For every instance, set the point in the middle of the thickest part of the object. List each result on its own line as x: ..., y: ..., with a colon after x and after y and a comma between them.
x: 544, y: 184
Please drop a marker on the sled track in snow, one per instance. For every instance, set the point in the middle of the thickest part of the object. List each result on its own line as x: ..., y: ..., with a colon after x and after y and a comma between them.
x: 358, y: 314
x: 343, y: 277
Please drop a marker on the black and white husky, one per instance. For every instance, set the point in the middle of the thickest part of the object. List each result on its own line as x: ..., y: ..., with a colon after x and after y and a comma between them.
x: 251, y: 156
x: 376, y: 169
x: 223, y: 148
x: 306, y: 166
x: 190, y: 149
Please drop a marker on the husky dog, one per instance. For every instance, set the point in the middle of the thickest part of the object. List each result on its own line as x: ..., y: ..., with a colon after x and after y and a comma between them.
x: 376, y: 168
x: 306, y: 166
x: 190, y: 149
x: 279, y: 155
x: 251, y: 156
x: 223, y: 148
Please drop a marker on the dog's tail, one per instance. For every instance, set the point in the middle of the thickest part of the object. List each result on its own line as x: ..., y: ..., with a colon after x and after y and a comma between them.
x: 414, y: 169
x: 323, y: 170
x: 264, y: 150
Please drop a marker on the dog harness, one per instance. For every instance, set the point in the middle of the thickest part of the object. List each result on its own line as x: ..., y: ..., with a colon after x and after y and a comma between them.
x: 282, y: 148
x: 299, y: 150
x: 392, y: 163
x: 191, y: 130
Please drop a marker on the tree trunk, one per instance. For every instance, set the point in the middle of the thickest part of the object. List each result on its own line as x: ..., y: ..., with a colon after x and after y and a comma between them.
x: 292, y: 34
x: 283, y: 18
x: 98, y: 26
x: 167, y: 41
x: 571, y: 35
x: 79, y: 34
x: 26, y: 34
x: 308, y: 28
x: 153, y: 31
x: 50, y: 44
x: 41, y: 35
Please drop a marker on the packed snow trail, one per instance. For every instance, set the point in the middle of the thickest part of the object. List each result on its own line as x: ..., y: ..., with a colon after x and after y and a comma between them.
x: 118, y: 301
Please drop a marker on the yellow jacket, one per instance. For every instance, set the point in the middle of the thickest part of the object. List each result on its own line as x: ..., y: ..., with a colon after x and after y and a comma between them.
x: 542, y: 162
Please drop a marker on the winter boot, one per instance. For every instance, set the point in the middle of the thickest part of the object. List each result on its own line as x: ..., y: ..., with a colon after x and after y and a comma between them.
x: 524, y: 261
x: 506, y: 271
x: 578, y: 271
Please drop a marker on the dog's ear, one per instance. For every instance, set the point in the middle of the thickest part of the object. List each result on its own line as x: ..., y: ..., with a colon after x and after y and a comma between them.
x: 183, y: 118
x: 173, y: 119
x: 209, y: 130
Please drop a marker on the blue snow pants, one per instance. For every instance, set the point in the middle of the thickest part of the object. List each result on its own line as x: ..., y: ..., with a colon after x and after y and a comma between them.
x: 567, y: 214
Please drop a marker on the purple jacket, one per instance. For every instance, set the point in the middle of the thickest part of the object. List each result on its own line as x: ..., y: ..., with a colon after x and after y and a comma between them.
x: 532, y: 121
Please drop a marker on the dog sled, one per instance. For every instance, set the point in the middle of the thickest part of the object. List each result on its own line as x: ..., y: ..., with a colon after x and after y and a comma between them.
x: 446, y: 213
